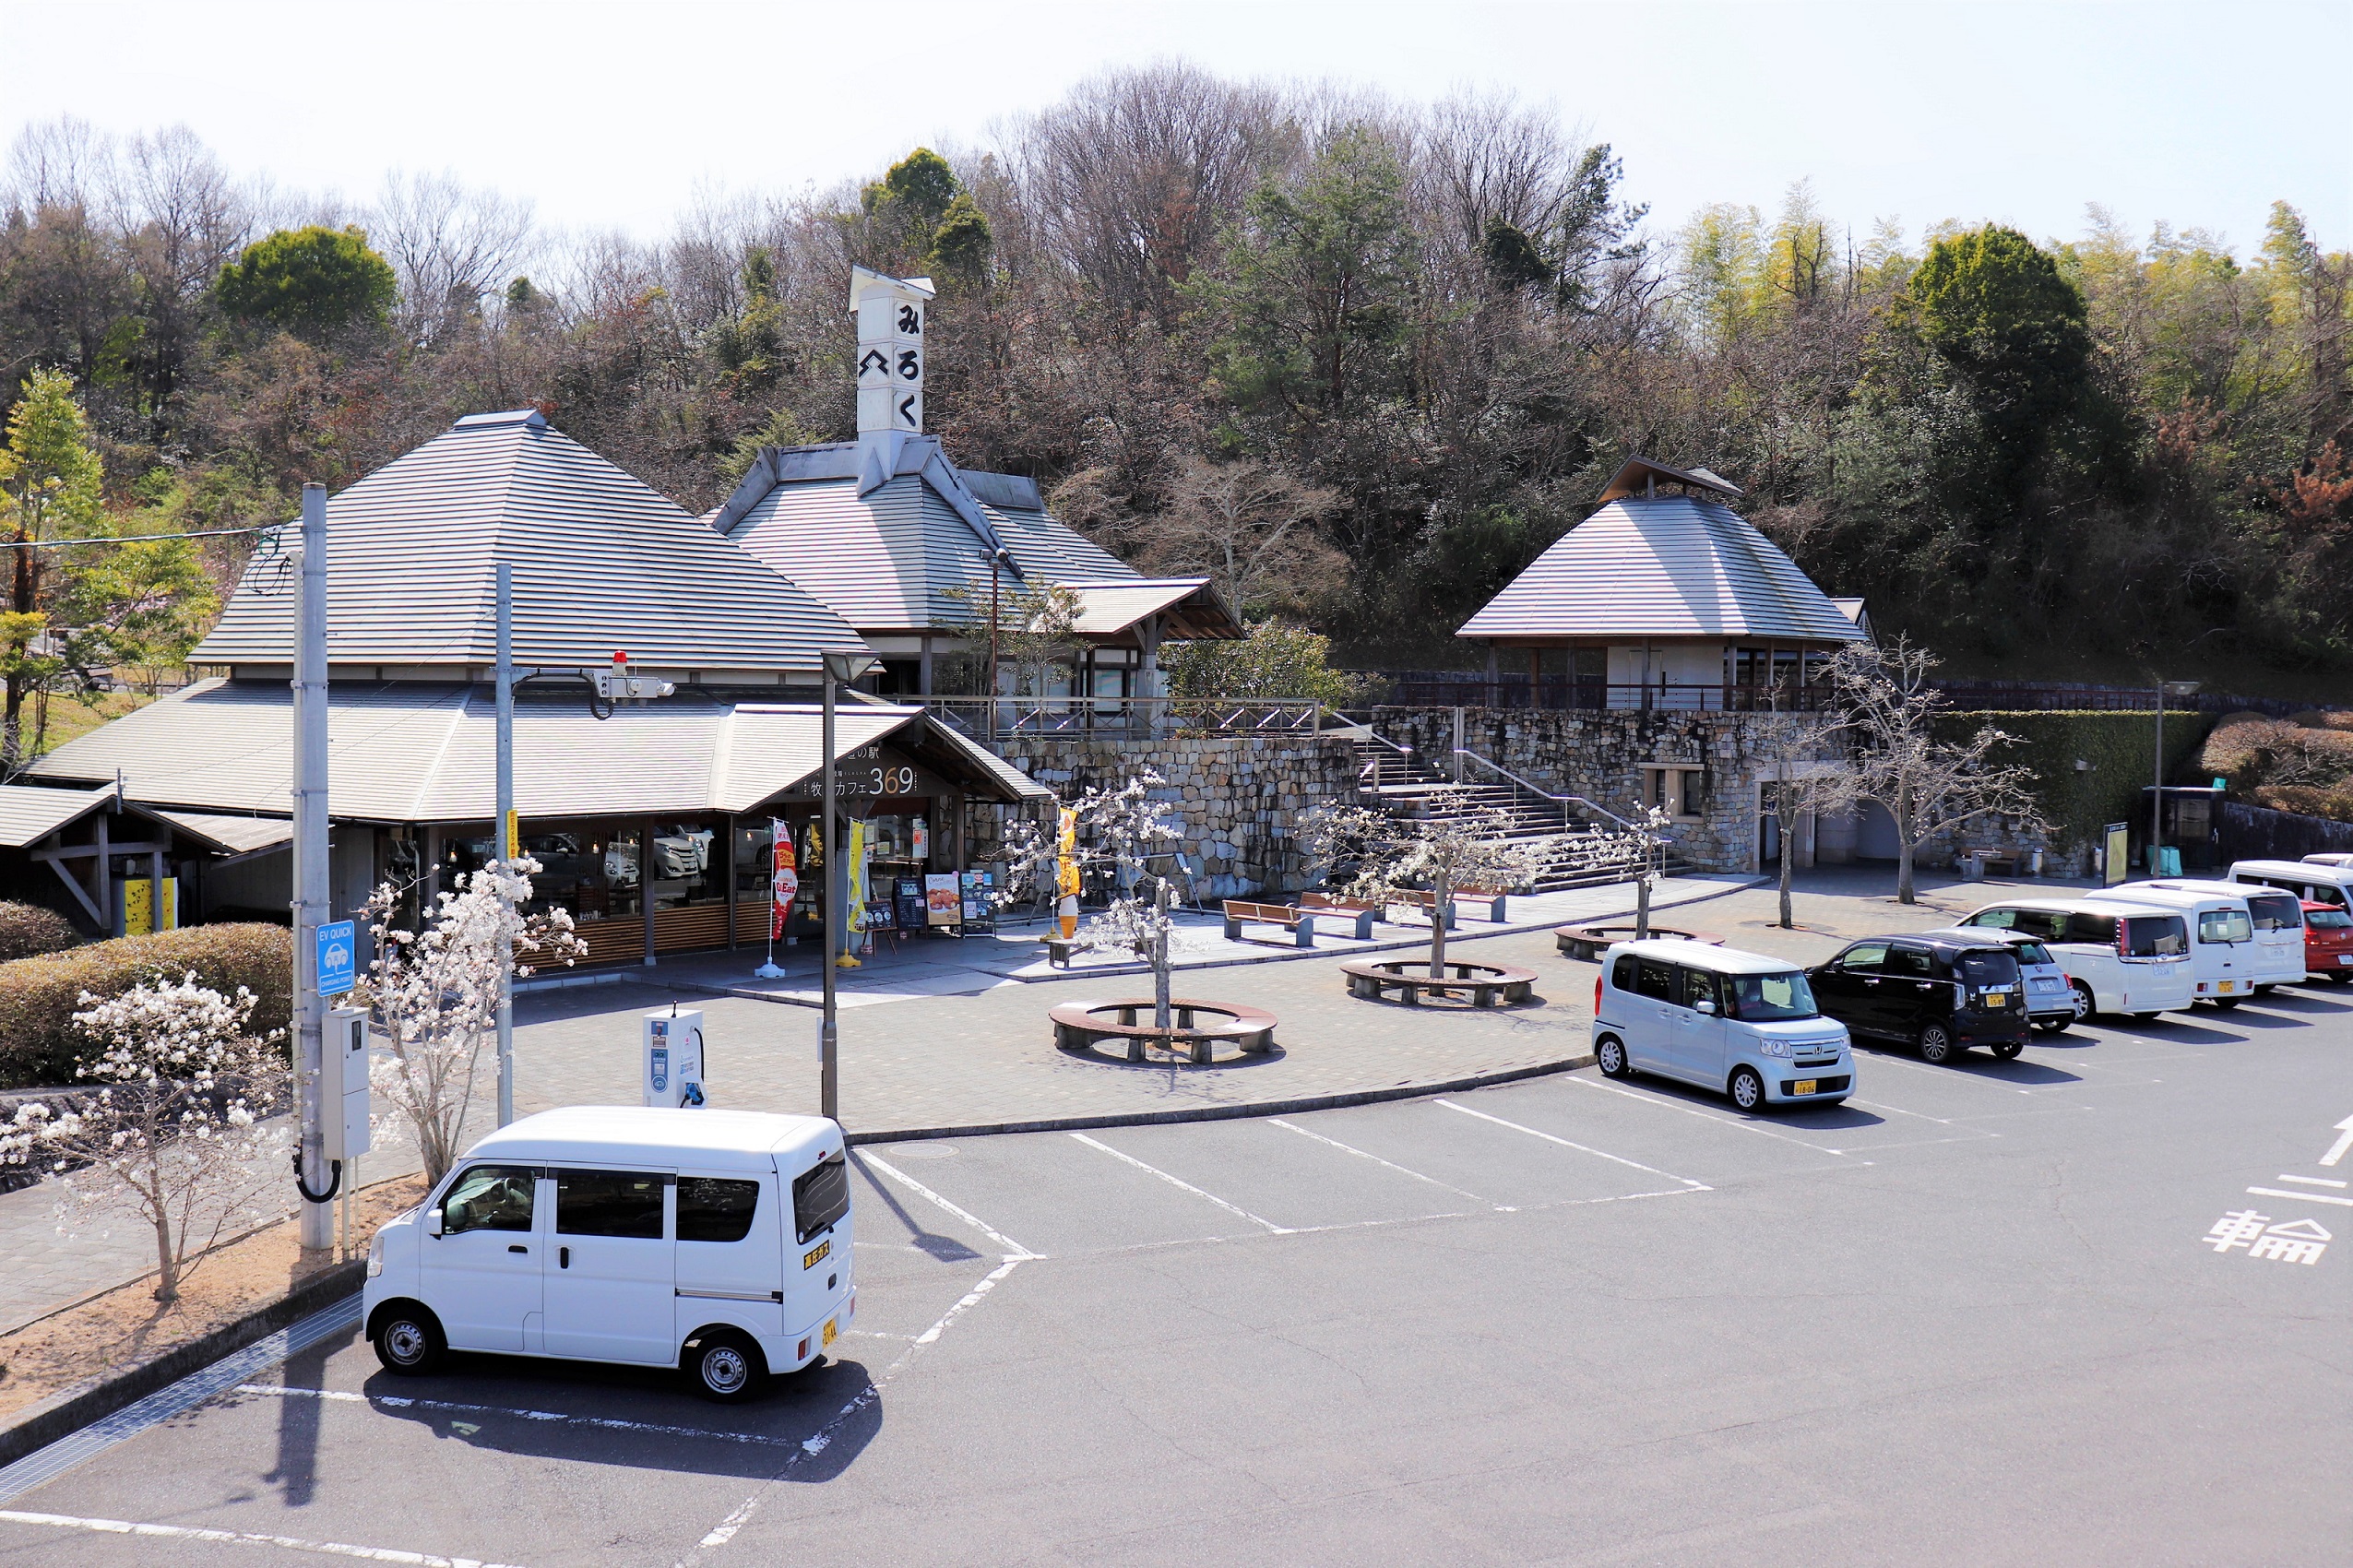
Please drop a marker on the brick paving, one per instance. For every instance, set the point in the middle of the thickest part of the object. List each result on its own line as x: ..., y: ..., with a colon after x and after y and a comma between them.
x: 985, y: 1055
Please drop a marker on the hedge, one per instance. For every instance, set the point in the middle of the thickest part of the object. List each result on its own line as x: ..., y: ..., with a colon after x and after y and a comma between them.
x: 2119, y: 747
x: 28, y: 929
x: 39, y: 997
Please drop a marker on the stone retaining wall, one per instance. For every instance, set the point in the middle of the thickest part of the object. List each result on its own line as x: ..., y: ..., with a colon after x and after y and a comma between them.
x: 1238, y: 798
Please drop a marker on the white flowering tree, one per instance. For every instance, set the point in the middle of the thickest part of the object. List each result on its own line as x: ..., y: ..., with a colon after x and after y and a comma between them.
x: 434, y: 993
x: 1125, y: 828
x: 1455, y: 843
x: 174, y: 1134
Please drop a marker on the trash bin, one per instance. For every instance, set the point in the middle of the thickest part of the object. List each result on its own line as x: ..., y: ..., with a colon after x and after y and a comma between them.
x: 2169, y: 859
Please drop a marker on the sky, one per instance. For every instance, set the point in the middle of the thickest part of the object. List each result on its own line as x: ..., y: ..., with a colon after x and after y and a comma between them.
x: 623, y: 115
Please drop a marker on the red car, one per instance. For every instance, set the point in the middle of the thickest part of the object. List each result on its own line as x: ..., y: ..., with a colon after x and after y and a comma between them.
x: 2329, y: 941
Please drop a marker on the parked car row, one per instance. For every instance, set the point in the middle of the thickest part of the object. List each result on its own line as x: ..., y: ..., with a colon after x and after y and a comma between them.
x: 1768, y: 1032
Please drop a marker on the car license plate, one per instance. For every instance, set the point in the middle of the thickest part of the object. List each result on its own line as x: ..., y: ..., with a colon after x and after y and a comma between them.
x: 2224, y: 987
x: 2344, y: 957
x: 1996, y: 999
x: 1803, y: 1085
x: 830, y: 1330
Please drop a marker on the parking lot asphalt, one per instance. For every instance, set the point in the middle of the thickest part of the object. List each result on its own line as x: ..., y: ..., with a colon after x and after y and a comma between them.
x: 1994, y: 1312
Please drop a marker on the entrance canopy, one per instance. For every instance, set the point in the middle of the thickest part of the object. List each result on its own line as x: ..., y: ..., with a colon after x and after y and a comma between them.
x: 413, y: 753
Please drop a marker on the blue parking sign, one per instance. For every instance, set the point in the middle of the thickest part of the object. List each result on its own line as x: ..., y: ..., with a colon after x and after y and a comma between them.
x: 337, y: 957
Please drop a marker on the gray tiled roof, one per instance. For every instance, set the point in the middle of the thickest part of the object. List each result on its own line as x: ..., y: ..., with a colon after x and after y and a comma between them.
x: 1678, y: 566
x: 29, y: 812
x: 886, y: 559
x: 601, y: 564
x: 411, y: 751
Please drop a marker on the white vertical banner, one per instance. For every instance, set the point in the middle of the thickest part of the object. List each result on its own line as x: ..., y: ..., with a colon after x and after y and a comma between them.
x: 890, y: 315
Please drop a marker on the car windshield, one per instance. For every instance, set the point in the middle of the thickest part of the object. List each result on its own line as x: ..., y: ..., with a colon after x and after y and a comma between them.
x: 2329, y: 919
x: 2274, y: 911
x: 1988, y: 969
x: 2032, y: 953
x: 1764, y: 999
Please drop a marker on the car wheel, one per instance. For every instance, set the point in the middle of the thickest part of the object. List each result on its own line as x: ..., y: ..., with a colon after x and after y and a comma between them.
x: 1936, y: 1044
x: 2228, y: 1003
x: 1610, y: 1055
x: 725, y: 1366
x: 1747, y: 1089
x: 2341, y: 978
x: 2008, y: 1050
x: 2262, y: 991
x: 2085, y: 1008
x: 2052, y: 1025
x: 2147, y: 1017
x: 408, y: 1340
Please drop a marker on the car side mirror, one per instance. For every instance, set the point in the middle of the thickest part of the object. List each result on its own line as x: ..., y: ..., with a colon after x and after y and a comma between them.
x: 432, y: 1221
x: 1707, y: 1007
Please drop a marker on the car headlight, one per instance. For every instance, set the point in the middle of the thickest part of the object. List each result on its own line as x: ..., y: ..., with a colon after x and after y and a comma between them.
x: 1775, y: 1047
x: 375, y: 1255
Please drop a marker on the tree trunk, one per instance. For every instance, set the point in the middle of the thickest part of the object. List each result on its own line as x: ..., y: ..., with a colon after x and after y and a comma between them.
x: 1904, y: 848
x: 1787, y: 859
x: 166, y: 1262
x: 1438, y: 926
x: 1642, y: 900
x: 1160, y: 986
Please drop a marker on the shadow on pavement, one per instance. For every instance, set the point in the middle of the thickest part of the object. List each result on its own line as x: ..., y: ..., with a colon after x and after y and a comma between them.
x: 1826, y: 1117
x: 641, y: 1418
x: 946, y: 1249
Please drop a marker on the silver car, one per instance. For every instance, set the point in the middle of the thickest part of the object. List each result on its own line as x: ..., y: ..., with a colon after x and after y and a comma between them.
x: 2051, y: 1003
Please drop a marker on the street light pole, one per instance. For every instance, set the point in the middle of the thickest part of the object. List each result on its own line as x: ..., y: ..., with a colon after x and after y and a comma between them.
x: 838, y: 667
x: 311, y: 881
x: 506, y: 836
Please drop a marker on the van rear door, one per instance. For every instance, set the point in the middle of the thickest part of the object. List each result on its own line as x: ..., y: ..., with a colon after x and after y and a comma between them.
x: 612, y: 1277
x: 730, y: 1249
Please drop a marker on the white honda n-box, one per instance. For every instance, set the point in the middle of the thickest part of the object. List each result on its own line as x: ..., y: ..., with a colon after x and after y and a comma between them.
x: 1738, y: 1022
x: 717, y: 1241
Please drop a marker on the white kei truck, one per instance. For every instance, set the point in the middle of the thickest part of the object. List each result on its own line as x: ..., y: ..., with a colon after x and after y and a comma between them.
x: 714, y: 1241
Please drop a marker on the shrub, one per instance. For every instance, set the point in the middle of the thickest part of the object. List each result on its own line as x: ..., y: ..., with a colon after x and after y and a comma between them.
x: 28, y: 929
x: 39, y: 995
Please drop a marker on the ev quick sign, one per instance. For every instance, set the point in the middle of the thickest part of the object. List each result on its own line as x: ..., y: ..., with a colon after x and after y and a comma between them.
x: 337, y: 957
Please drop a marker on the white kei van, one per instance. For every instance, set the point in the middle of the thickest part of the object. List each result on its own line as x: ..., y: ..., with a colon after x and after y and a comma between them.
x: 1733, y: 1021
x: 714, y: 1240
x: 2306, y: 879
x: 2117, y: 957
x: 2230, y: 963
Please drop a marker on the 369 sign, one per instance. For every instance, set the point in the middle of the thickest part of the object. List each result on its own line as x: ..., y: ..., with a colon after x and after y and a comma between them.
x: 883, y: 776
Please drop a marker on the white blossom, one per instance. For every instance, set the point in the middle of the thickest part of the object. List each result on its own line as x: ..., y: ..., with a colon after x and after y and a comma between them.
x: 1125, y: 828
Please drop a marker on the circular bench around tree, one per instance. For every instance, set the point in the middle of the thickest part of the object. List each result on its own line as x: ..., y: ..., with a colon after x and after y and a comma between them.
x: 1485, y: 985
x: 1587, y: 941
x: 1199, y: 1025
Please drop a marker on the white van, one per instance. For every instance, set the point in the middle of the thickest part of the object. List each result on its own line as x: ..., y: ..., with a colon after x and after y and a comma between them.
x: 715, y: 1241
x: 2274, y: 951
x: 2117, y: 957
x: 1733, y: 1021
x: 2305, y: 879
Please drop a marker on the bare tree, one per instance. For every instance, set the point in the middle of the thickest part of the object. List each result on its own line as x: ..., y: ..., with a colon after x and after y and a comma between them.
x: 450, y: 245
x: 1250, y: 527
x: 1929, y: 786
x: 1125, y: 828
x: 1455, y: 843
x: 1798, y: 761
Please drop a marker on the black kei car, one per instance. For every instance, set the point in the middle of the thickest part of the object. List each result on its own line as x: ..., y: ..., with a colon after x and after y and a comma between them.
x: 1942, y: 992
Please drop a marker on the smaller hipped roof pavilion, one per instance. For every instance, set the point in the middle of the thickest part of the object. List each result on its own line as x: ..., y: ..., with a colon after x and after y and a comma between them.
x: 1691, y: 605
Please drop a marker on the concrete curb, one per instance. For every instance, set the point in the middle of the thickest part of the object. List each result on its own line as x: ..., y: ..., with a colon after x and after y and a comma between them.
x: 93, y: 1400
x: 1293, y: 1107
x: 1418, y: 939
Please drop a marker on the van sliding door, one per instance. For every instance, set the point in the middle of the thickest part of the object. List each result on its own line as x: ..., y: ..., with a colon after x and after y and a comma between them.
x: 611, y: 1273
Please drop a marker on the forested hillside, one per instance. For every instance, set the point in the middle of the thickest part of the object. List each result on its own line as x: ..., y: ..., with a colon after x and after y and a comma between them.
x: 1362, y: 359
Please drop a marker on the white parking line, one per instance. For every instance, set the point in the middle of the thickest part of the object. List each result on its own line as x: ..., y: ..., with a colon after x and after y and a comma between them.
x: 1272, y: 1228
x: 2307, y: 1198
x: 2313, y: 1181
x: 401, y: 1402
x: 1695, y: 1110
x: 1389, y: 1165
x: 1011, y: 1247
x: 241, y: 1537
x: 1650, y: 1170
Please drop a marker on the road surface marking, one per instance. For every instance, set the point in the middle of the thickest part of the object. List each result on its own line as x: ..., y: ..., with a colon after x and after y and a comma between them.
x: 1272, y: 1228
x: 1649, y: 1170
x: 1695, y: 1110
x: 49, y: 1463
x: 2307, y: 1198
x: 1011, y: 1247
x: 401, y: 1402
x: 819, y: 1441
x: 240, y: 1537
x: 2336, y: 1150
x: 1361, y: 1154
x: 2312, y: 1180
x: 1899, y: 1111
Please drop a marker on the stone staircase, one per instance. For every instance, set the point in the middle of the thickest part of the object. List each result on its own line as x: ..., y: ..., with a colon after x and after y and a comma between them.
x: 1577, y: 852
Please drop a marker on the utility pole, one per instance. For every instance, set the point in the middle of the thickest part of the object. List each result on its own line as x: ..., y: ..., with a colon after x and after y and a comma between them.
x: 506, y: 836
x: 312, y: 1179
x: 828, y: 1040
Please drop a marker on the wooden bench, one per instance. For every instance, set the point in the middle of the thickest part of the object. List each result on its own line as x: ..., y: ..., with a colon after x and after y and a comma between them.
x: 1485, y: 985
x: 1078, y: 1026
x: 1468, y: 899
x: 1058, y: 952
x: 1424, y: 900
x: 1589, y: 941
x: 1299, y: 922
x: 1364, y: 910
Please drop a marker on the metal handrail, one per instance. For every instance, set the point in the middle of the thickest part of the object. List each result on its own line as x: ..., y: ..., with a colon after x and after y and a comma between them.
x: 1543, y: 794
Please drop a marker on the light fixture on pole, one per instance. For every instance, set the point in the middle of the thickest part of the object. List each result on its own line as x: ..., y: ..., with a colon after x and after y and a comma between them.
x: 839, y: 668
x: 2157, y: 796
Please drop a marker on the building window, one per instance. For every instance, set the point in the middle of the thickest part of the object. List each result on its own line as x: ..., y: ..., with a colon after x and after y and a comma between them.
x: 1680, y: 791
